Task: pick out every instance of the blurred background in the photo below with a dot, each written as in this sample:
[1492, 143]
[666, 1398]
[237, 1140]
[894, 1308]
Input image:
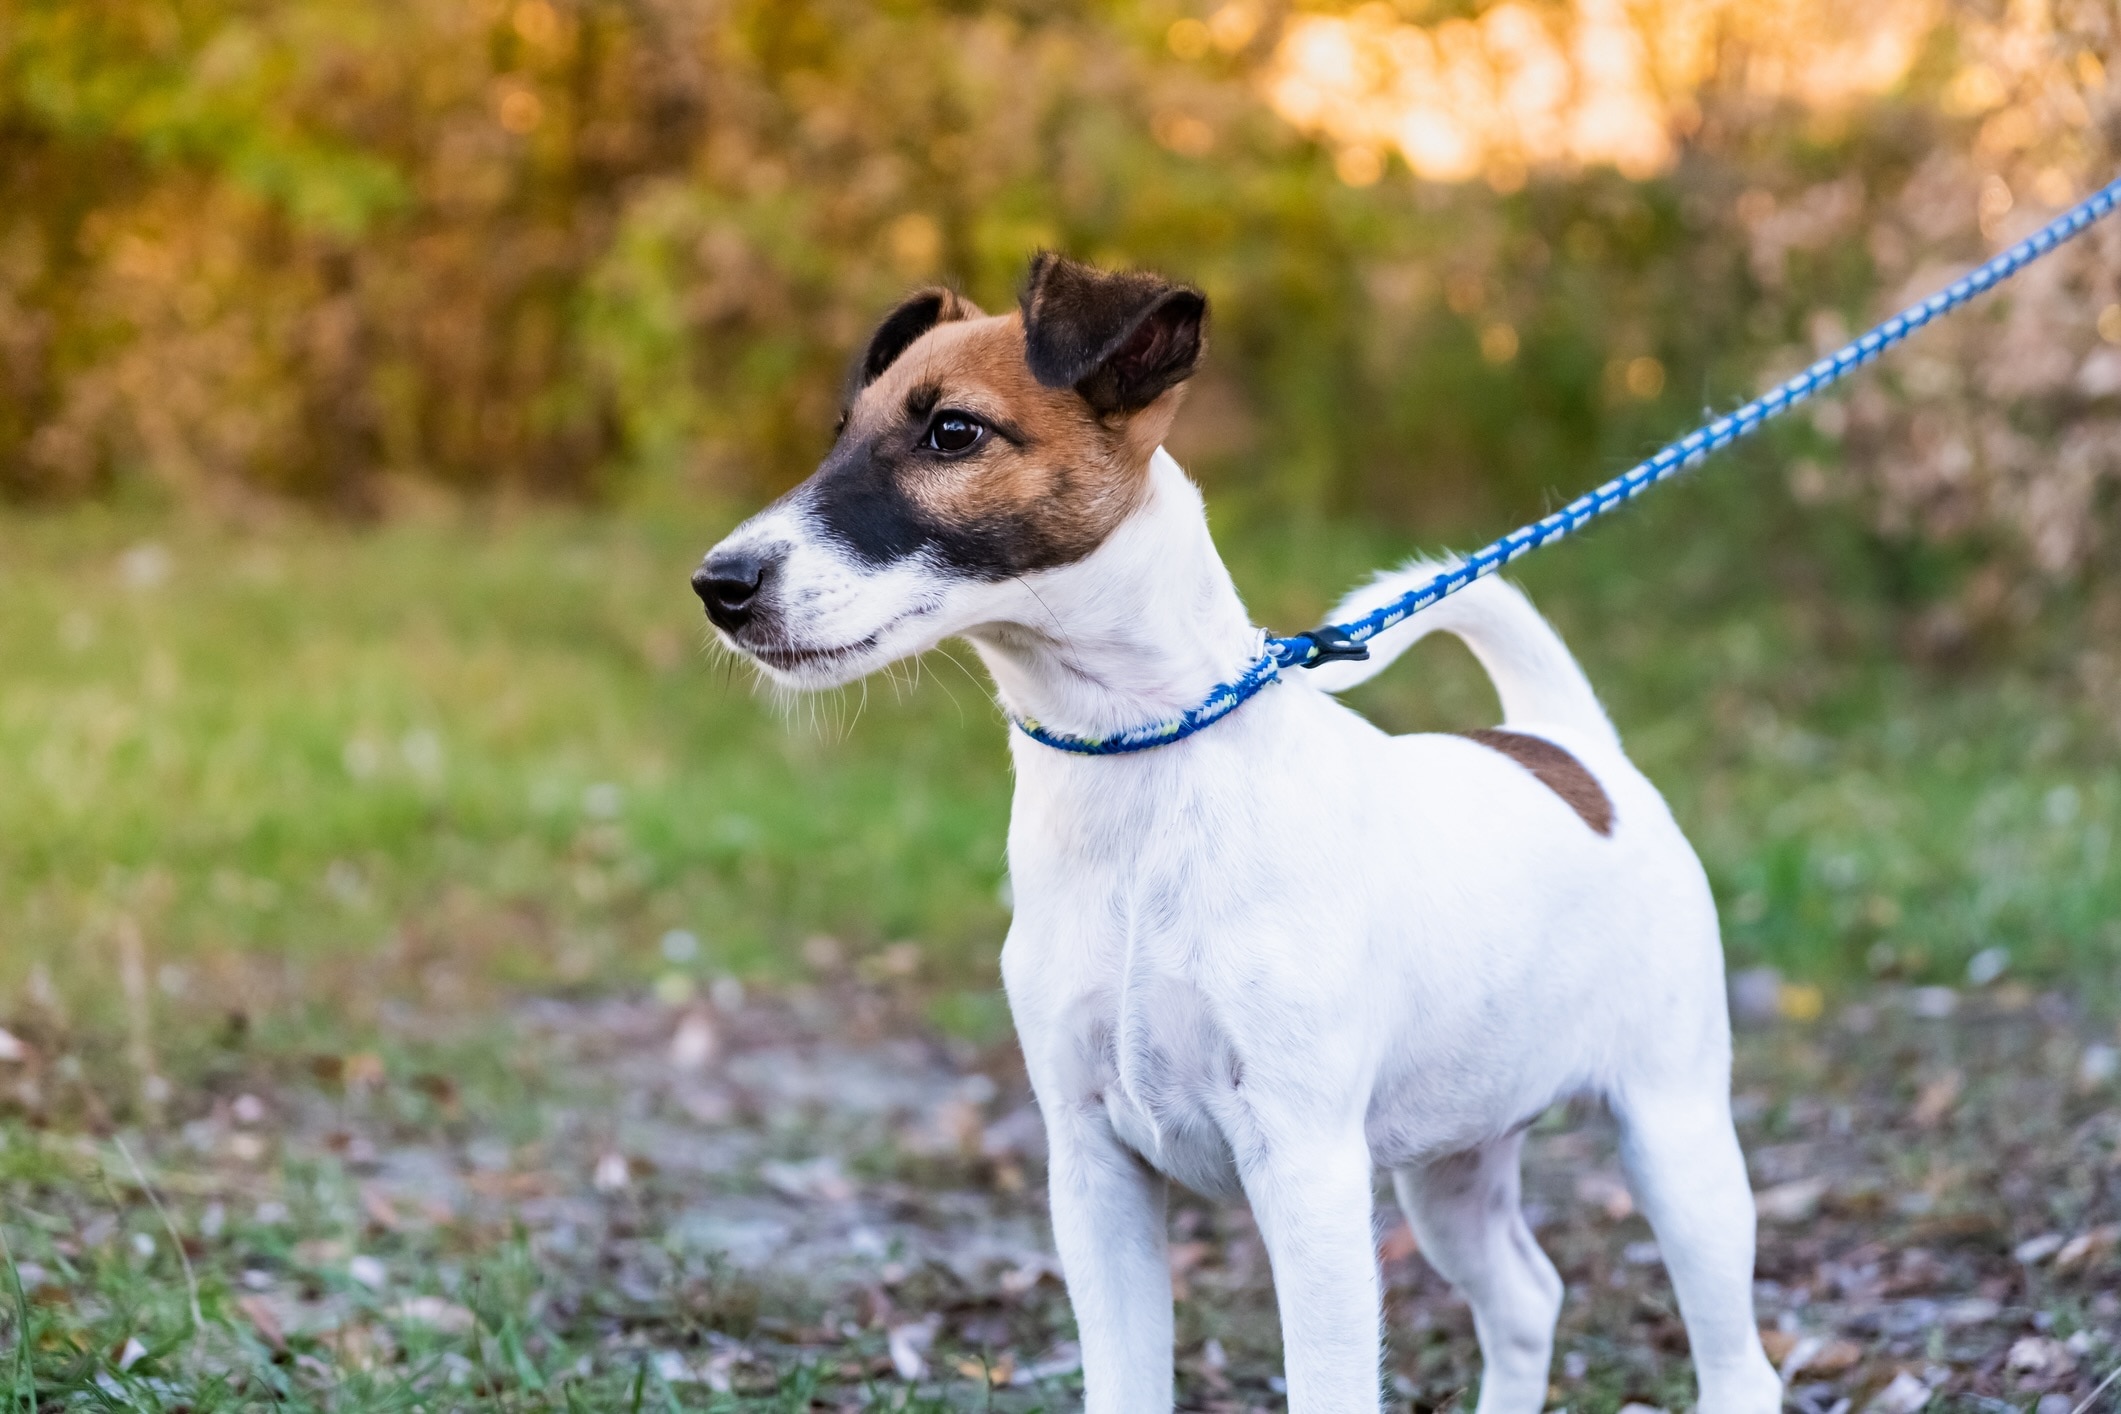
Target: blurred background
[371, 377]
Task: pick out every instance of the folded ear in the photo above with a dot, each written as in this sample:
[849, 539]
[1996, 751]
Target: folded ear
[921, 311]
[1121, 340]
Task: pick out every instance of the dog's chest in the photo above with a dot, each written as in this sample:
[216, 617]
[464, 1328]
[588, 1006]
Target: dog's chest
[1131, 913]
[1167, 1078]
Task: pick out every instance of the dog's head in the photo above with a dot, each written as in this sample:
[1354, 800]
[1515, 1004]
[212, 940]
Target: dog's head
[974, 450]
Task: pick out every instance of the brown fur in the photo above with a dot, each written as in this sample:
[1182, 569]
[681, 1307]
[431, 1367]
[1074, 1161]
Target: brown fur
[1054, 471]
[1558, 771]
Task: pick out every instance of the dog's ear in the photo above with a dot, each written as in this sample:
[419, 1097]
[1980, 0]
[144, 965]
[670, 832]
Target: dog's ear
[1121, 340]
[916, 315]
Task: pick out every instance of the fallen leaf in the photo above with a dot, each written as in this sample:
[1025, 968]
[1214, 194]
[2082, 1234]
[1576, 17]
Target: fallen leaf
[1824, 1356]
[436, 1087]
[2035, 1250]
[1904, 1395]
[996, 1373]
[1936, 1100]
[1606, 1192]
[1792, 1202]
[693, 1045]
[1027, 1274]
[321, 1251]
[434, 1312]
[819, 1179]
[2088, 1246]
[1064, 1359]
[612, 1173]
[362, 1069]
[2039, 1355]
[379, 1208]
[908, 1345]
[259, 1313]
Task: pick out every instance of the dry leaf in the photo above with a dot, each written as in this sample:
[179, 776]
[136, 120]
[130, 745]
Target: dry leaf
[1937, 1100]
[1791, 1202]
[1607, 1192]
[260, 1315]
[909, 1344]
[363, 1069]
[434, 1312]
[612, 1173]
[693, 1046]
[379, 1208]
[1905, 1395]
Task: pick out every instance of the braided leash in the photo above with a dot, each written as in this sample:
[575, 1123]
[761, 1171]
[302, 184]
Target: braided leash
[1346, 642]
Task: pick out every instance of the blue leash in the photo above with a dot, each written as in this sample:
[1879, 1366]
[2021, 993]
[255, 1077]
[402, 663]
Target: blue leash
[1332, 643]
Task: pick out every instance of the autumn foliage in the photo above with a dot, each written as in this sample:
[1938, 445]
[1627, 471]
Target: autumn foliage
[1462, 255]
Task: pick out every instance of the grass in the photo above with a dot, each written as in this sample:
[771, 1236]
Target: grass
[395, 1244]
[270, 800]
[466, 1320]
[306, 765]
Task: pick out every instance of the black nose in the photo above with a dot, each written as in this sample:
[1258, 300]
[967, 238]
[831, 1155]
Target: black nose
[728, 584]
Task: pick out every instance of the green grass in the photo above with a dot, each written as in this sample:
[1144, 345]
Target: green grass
[126, 1303]
[311, 764]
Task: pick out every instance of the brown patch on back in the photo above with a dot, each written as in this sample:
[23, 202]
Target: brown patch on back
[1057, 487]
[1557, 770]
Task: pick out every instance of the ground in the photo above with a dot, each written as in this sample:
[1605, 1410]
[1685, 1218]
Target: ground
[812, 1199]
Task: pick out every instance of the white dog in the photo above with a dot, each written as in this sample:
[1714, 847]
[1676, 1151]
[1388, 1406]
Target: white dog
[1291, 949]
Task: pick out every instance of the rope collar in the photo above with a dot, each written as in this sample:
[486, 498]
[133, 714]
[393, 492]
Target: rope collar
[1347, 642]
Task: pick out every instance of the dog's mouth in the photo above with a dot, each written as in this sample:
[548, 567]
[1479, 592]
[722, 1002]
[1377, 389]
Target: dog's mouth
[792, 657]
[809, 663]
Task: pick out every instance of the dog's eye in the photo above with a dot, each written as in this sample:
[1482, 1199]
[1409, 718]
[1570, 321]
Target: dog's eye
[953, 433]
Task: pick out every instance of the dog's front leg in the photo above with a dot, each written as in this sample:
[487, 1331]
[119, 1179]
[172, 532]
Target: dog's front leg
[1311, 1199]
[1108, 1222]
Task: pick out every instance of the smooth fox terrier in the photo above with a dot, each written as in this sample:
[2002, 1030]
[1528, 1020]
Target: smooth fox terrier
[1281, 954]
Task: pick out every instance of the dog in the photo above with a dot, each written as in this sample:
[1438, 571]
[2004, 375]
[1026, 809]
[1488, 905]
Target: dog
[1291, 949]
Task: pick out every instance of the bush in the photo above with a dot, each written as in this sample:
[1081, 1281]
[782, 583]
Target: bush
[323, 251]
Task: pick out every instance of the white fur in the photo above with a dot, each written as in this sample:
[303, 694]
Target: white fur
[1292, 949]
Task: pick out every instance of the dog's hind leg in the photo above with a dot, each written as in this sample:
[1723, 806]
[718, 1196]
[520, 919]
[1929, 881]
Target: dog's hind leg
[1688, 1175]
[1464, 1210]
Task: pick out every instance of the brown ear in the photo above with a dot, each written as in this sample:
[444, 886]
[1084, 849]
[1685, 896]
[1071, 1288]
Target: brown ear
[1120, 339]
[916, 315]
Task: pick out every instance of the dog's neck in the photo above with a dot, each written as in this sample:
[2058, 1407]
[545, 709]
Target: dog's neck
[1137, 632]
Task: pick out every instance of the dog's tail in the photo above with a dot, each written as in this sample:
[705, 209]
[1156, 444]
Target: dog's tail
[1533, 672]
